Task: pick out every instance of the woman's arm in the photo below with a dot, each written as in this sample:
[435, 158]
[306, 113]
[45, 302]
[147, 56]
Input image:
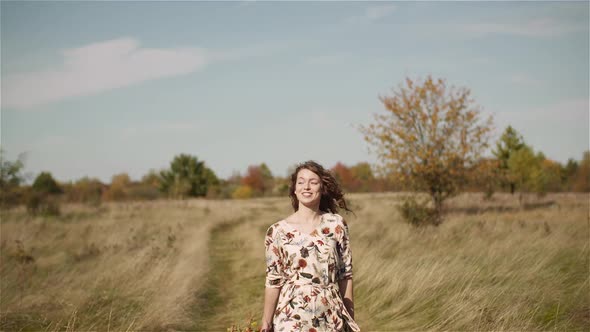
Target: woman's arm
[346, 292]
[271, 297]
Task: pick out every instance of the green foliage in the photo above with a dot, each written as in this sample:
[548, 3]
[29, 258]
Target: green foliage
[525, 168]
[45, 184]
[42, 204]
[417, 212]
[581, 180]
[187, 177]
[509, 143]
[41, 199]
[10, 171]
[10, 179]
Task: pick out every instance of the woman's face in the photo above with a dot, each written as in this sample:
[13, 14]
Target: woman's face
[308, 187]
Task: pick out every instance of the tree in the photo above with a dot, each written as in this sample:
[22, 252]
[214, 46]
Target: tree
[42, 198]
[524, 168]
[509, 143]
[568, 173]
[581, 181]
[45, 184]
[430, 136]
[187, 177]
[120, 185]
[10, 171]
[259, 178]
[344, 176]
[11, 178]
[86, 190]
[363, 174]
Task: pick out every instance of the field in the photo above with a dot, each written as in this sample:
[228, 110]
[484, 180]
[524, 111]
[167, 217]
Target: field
[198, 265]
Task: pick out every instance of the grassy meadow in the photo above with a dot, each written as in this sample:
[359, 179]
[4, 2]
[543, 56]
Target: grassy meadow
[198, 265]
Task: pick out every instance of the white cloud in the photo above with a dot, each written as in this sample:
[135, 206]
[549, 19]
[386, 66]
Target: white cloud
[373, 13]
[99, 67]
[543, 27]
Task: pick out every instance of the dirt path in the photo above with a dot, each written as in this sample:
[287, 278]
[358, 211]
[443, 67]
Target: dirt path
[222, 298]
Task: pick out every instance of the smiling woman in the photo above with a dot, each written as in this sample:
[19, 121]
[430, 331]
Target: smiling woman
[309, 260]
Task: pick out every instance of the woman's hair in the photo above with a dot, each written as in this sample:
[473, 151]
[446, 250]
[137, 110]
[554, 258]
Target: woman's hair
[332, 195]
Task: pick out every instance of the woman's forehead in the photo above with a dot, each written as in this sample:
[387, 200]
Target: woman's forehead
[307, 174]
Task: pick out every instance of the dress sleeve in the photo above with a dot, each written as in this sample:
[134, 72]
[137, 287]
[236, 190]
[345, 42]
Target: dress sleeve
[344, 270]
[274, 262]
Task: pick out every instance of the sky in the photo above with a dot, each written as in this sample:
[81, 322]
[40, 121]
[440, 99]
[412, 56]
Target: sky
[100, 88]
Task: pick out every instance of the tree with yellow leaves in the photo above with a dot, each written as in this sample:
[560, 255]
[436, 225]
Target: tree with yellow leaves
[430, 137]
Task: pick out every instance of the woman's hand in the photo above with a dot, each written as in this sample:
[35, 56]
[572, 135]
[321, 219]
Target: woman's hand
[266, 327]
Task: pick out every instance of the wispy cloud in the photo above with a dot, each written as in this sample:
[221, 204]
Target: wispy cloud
[373, 13]
[543, 27]
[107, 65]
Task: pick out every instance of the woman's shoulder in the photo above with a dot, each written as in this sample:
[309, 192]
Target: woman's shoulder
[335, 219]
[272, 229]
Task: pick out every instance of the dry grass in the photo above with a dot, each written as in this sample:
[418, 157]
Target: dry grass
[199, 265]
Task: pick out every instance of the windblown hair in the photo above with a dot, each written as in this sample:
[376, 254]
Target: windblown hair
[332, 195]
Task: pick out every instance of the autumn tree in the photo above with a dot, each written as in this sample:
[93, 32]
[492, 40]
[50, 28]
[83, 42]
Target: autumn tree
[119, 188]
[581, 180]
[259, 178]
[187, 176]
[344, 176]
[431, 135]
[86, 190]
[508, 144]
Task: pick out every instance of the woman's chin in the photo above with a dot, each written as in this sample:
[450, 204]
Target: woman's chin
[312, 204]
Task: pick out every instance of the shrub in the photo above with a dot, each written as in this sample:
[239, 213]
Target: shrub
[243, 192]
[42, 204]
[418, 213]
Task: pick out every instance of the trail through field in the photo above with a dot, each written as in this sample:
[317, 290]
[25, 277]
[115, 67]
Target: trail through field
[234, 287]
[230, 294]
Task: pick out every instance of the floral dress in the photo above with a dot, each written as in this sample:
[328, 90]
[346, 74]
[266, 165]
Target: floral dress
[306, 267]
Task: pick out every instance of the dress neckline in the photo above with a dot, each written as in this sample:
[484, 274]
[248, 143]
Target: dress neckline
[315, 229]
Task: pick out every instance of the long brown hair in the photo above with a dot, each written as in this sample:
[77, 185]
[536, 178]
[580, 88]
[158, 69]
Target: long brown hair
[332, 195]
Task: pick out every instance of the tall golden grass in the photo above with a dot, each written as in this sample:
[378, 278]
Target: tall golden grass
[199, 265]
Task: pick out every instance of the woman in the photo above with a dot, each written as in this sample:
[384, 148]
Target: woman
[308, 259]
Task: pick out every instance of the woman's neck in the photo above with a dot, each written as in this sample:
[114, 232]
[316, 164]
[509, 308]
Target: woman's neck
[308, 215]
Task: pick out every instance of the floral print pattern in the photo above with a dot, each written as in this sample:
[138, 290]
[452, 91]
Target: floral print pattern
[307, 267]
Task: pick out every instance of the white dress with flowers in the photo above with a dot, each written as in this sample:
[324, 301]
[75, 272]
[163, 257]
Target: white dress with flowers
[307, 267]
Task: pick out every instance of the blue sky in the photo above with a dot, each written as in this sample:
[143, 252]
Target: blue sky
[99, 88]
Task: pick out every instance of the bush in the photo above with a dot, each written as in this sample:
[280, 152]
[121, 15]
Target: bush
[243, 192]
[42, 204]
[143, 192]
[418, 213]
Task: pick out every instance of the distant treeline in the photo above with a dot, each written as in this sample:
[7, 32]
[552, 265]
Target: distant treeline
[515, 167]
